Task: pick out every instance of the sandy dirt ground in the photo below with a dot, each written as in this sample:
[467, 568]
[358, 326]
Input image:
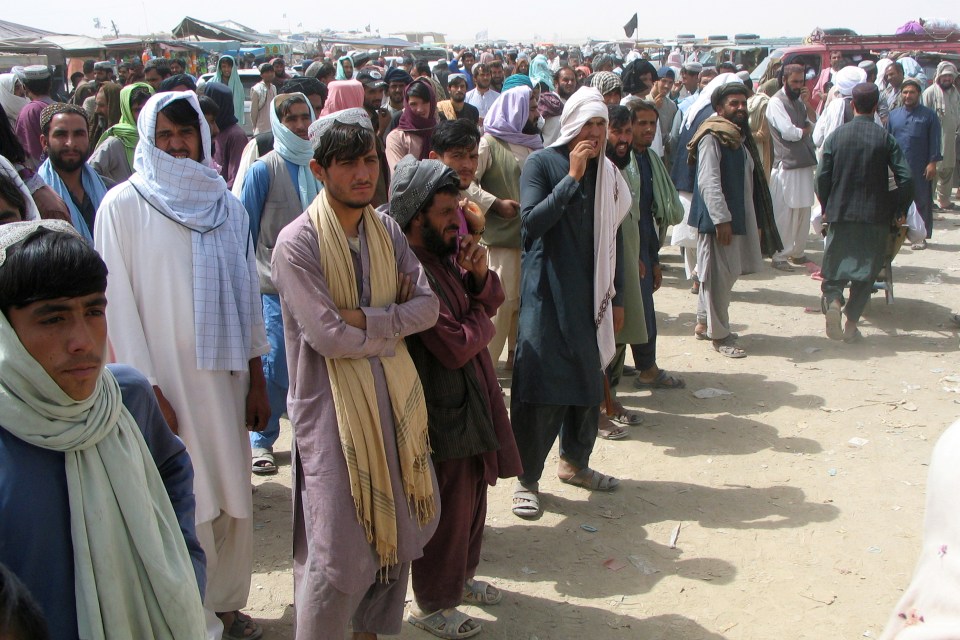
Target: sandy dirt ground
[787, 530]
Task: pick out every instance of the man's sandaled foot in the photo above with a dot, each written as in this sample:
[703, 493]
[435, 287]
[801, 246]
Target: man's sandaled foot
[264, 463]
[851, 333]
[591, 480]
[526, 502]
[833, 316]
[700, 331]
[919, 246]
[626, 417]
[480, 593]
[607, 430]
[662, 380]
[782, 265]
[239, 626]
[728, 348]
[446, 623]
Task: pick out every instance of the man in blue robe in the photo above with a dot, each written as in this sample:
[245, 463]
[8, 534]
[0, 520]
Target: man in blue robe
[916, 129]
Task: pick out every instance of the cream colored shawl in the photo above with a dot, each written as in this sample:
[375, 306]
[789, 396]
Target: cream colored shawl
[133, 576]
[355, 394]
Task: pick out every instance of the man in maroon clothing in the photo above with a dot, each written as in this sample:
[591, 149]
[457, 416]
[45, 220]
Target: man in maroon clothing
[470, 433]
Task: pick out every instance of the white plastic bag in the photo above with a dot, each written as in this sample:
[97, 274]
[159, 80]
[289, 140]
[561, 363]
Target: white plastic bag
[916, 229]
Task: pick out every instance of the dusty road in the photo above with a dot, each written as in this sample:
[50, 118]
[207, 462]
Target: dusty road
[787, 530]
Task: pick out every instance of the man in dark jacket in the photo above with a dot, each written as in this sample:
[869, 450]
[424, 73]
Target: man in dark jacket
[852, 186]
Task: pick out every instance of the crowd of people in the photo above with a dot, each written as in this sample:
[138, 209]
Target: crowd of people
[391, 244]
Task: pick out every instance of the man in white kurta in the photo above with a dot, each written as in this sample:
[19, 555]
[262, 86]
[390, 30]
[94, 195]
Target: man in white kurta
[791, 118]
[207, 375]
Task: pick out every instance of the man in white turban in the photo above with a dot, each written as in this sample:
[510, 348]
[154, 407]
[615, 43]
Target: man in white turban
[572, 201]
[791, 117]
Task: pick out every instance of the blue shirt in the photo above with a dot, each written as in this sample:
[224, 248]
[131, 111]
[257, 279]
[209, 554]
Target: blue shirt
[35, 538]
[917, 131]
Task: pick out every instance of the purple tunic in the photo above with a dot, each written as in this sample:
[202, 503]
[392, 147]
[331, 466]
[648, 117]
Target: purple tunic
[333, 546]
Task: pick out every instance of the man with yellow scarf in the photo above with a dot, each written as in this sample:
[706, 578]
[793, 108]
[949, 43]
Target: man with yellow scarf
[351, 289]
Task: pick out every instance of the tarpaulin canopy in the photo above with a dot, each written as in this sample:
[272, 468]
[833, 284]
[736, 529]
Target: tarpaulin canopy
[191, 27]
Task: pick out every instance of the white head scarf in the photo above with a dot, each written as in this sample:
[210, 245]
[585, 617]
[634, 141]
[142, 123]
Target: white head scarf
[584, 104]
[882, 65]
[10, 101]
[120, 512]
[847, 78]
[703, 99]
[192, 194]
[611, 204]
[295, 149]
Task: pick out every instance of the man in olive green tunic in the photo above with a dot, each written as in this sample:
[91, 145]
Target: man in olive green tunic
[852, 186]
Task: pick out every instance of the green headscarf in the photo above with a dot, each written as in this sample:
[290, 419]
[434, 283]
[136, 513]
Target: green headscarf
[132, 571]
[126, 129]
[236, 87]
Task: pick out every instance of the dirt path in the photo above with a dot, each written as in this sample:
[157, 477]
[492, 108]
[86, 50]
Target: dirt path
[787, 530]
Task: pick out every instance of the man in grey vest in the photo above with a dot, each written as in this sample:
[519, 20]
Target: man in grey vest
[791, 118]
[725, 211]
[276, 189]
[852, 185]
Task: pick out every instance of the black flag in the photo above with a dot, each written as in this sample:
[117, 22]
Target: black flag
[631, 26]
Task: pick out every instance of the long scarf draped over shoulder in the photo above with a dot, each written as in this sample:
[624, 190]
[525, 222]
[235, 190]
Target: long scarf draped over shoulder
[355, 395]
[730, 135]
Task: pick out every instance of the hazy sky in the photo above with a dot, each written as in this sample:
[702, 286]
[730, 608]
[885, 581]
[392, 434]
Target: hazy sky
[565, 21]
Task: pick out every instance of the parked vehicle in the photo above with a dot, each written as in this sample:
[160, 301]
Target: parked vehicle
[815, 53]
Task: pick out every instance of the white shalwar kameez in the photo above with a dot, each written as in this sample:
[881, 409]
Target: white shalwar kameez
[151, 327]
[791, 190]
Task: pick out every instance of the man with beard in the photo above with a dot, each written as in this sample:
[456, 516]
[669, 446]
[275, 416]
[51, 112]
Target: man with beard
[277, 188]
[573, 200]
[374, 87]
[65, 140]
[481, 96]
[791, 118]
[727, 189]
[397, 80]
[470, 437]
[351, 289]
[497, 75]
[853, 188]
[280, 75]
[917, 130]
[457, 107]
[944, 98]
[102, 72]
[508, 140]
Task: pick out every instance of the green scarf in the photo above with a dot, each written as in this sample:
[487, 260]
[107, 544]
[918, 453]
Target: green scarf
[126, 129]
[133, 575]
[667, 209]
